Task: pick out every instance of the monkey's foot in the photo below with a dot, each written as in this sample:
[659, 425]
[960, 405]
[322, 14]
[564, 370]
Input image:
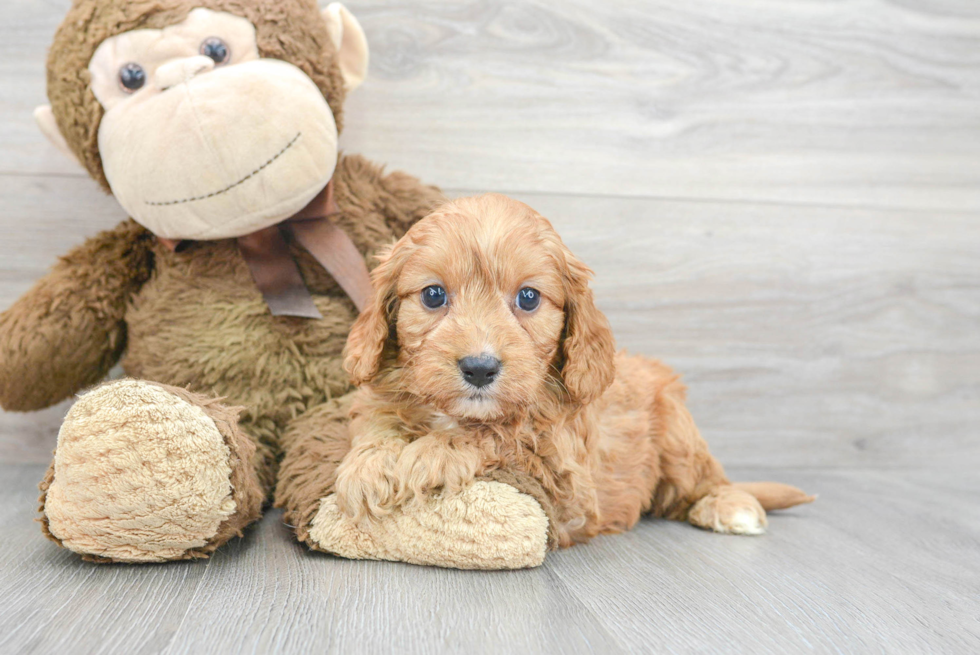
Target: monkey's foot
[488, 525]
[730, 511]
[146, 473]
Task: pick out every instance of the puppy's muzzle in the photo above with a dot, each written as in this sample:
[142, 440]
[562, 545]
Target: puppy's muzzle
[479, 371]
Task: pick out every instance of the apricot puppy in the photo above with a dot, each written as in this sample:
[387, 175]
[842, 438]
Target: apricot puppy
[483, 350]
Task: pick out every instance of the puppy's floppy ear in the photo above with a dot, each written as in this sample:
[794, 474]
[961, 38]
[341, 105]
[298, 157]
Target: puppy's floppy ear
[367, 338]
[588, 347]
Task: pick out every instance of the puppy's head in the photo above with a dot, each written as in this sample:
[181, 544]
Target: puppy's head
[478, 311]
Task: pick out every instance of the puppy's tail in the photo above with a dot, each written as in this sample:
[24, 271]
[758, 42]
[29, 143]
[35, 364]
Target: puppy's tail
[775, 495]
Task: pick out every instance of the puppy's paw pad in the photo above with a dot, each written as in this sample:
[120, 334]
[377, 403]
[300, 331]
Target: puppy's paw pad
[729, 511]
[745, 521]
[140, 475]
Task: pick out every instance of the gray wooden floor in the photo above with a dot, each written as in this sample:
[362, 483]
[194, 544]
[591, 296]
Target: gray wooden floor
[781, 199]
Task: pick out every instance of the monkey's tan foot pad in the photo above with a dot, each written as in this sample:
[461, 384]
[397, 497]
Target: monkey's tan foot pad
[730, 511]
[147, 473]
[488, 525]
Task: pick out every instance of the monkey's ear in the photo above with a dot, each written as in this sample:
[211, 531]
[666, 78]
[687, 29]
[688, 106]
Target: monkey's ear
[45, 120]
[352, 47]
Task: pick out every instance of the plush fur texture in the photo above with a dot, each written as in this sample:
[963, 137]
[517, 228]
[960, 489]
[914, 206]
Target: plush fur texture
[69, 329]
[276, 367]
[607, 436]
[146, 473]
[234, 389]
[438, 533]
[193, 326]
[488, 525]
[290, 30]
[194, 320]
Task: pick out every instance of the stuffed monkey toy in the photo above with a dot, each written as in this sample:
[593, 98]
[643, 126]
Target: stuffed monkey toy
[227, 297]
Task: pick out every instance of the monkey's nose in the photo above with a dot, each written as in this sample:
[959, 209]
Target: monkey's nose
[479, 371]
[181, 70]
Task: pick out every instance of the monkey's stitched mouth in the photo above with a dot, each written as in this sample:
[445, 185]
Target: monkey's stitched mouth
[230, 186]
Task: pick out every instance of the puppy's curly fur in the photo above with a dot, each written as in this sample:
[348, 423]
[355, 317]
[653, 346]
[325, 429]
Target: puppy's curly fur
[606, 434]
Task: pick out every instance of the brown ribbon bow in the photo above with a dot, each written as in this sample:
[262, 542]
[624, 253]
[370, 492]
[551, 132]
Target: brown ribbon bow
[276, 273]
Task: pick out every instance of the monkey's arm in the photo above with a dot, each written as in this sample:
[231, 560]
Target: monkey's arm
[69, 330]
[504, 520]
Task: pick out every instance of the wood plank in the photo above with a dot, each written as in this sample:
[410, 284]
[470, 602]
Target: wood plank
[779, 199]
[49, 215]
[810, 336]
[852, 103]
[52, 602]
[25, 35]
[297, 601]
[870, 567]
[884, 561]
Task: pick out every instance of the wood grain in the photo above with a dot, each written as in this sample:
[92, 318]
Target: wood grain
[780, 199]
[829, 103]
[851, 573]
[52, 602]
[845, 103]
[883, 562]
[809, 336]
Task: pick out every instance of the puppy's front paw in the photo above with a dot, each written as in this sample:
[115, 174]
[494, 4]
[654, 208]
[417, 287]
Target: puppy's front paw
[429, 464]
[366, 483]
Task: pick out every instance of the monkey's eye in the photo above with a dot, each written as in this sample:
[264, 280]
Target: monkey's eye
[216, 49]
[433, 296]
[132, 77]
[528, 299]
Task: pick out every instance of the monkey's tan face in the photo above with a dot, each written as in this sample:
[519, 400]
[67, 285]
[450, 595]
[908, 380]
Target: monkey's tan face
[204, 139]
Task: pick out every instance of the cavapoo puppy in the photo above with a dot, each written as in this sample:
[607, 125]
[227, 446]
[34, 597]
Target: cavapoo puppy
[483, 350]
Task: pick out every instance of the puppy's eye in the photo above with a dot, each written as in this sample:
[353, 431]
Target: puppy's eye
[433, 296]
[528, 299]
[132, 77]
[216, 49]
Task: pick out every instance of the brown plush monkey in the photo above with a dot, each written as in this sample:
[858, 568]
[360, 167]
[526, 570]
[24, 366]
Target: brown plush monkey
[214, 123]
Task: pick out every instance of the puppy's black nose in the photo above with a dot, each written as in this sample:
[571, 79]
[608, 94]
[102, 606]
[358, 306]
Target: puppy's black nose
[479, 371]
